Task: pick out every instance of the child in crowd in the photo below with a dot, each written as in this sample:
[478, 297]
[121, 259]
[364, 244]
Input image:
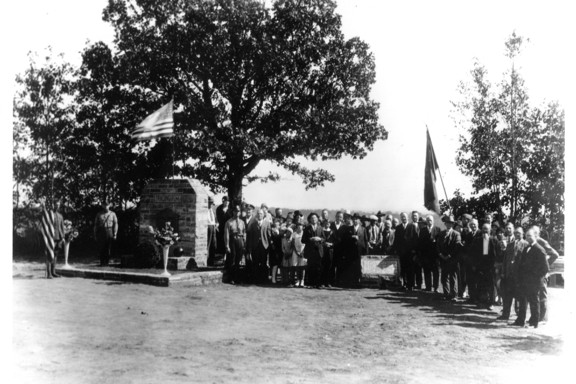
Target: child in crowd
[298, 259]
[287, 269]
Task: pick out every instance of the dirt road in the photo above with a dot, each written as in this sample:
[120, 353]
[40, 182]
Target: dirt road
[73, 330]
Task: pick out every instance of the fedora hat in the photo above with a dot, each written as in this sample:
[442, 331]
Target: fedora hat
[448, 219]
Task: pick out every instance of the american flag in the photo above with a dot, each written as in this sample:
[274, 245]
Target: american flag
[158, 124]
[47, 229]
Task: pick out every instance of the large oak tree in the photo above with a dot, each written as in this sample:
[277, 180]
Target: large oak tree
[252, 83]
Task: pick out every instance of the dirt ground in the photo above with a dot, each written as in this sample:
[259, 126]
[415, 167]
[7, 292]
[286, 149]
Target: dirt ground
[73, 330]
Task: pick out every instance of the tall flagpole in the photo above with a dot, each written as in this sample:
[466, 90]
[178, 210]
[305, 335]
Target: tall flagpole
[440, 173]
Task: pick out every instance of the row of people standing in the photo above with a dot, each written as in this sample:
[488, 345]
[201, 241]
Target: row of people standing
[320, 251]
[488, 262]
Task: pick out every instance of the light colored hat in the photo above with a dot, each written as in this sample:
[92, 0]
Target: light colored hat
[373, 217]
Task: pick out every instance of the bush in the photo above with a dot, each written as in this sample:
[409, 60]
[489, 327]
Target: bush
[147, 255]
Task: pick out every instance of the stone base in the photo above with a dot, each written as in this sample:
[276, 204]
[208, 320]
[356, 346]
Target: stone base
[182, 263]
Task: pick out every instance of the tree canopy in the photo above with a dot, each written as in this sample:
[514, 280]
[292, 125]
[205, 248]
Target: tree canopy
[252, 82]
[512, 150]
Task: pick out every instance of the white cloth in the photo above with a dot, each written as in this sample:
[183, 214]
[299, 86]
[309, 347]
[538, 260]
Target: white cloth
[485, 242]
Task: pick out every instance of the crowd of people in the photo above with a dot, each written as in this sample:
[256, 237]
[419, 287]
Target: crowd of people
[487, 263]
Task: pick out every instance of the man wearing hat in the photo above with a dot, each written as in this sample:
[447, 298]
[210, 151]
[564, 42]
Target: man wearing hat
[449, 245]
[374, 236]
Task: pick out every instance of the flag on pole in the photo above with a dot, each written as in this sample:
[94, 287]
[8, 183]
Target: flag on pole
[158, 124]
[430, 194]
[47, 230]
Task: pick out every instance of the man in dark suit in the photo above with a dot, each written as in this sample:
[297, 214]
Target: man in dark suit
[509, 275]
[337, 230]
[429, 253]
[222, 216]
[403, 252]
[449, 245]
[462, 275]
[388, 237]
[353, 244]
[412, 235]
[360, 235]
[259, 233]
[484, 249]
[468, 260]
[532, 270]
[552, 255]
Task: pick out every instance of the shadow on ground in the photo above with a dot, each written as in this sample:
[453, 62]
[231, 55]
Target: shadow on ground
[448, 313]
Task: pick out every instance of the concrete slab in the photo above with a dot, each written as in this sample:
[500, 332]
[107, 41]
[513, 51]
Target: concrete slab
[193, 278]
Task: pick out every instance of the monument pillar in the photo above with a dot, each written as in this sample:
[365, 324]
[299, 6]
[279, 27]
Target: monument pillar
[183, 202]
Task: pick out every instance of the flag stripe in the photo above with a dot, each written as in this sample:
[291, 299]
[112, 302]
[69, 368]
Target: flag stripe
[156, 125]
[47, 229]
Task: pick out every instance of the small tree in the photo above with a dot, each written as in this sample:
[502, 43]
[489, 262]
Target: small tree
[513, 152]
[42, 122]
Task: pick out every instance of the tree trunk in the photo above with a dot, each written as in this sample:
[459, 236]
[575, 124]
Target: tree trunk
[235, 187]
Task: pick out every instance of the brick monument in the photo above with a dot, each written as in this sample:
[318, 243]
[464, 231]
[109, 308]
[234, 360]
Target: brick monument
[184, 203]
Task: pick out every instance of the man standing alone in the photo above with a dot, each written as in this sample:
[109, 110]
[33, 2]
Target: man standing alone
[105, 231]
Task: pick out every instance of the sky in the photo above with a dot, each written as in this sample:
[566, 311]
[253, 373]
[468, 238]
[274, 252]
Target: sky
[422, 50]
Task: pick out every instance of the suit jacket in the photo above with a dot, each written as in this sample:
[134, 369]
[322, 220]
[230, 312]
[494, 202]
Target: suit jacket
[255, 235]
[58, 226]
[221, 216]
[362, 241]
[388, 239]
[314, 250]
[412, 236]
[550, 252]
[427, 242]
[512, 257]
[478, 259]
[449, 243]
[400, 245]
[532, 267]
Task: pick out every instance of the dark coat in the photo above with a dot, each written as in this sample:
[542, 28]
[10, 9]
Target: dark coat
[532, 267]
[427, 243]
[449, 244]
[478, 259]
[412, 236]
[388, 239]
[400, 245]
[255, 235]
[314, 250]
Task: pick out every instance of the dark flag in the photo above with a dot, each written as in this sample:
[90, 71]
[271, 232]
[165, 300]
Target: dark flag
[430, 194]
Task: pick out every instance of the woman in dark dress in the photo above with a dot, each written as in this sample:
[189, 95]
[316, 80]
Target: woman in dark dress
[313, 238]
[350, 271]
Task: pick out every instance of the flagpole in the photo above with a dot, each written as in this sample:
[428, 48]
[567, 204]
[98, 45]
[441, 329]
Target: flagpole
[440, 173]
[173, 157]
